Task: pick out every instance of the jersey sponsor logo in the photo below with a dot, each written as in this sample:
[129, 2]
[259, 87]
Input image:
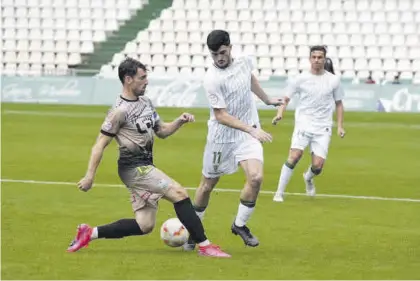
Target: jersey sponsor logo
[401, 101]
[145, 196]
[107, 125]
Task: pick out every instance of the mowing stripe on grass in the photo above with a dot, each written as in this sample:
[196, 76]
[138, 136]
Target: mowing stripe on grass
[55, 113]
[227, 190]
[371, 125]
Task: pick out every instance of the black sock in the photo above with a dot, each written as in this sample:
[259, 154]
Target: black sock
[186, 214]
[119, 229]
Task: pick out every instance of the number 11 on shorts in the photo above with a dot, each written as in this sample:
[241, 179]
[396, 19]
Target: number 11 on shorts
[216, 157]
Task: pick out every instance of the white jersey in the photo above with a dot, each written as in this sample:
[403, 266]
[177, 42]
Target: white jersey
[315, 96]
[230, 88]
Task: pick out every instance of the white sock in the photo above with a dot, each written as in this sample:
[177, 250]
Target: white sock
[244, 213]
[200, 214]
[204, 243]
[309, 174]
[94, 234]
[285, 175]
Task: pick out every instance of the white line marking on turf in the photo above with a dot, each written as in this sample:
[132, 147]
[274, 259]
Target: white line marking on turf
[372, 125]
[227, 190]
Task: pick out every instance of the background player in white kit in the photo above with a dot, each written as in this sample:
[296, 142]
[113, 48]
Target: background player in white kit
[234, 133]
[316, 92]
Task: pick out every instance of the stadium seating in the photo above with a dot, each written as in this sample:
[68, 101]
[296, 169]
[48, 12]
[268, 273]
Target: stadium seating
[362, 35]
[44, 35]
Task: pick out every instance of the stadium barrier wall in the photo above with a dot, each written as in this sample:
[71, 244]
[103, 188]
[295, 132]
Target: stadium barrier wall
[170, 92]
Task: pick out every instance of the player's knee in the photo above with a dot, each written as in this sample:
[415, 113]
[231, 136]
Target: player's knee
[176, 193]
[292, 162]
[206, 186]
[255, 179]
[146, 226]
[180, 193]
[316, 170]
[317, 164]
[293, 158]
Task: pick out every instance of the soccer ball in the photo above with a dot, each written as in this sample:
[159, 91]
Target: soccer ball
[173, 233]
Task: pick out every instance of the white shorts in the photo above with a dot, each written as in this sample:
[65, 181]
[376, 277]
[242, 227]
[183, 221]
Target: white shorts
[223, 158]
[318, 142]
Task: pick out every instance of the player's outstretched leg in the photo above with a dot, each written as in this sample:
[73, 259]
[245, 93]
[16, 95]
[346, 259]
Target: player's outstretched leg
[82, 239]
[190, 244]
[286, 173]
[115, 230]
[254, 173]
[186, 214]
[201, 201]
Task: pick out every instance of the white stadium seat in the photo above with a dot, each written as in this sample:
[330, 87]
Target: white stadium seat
[362, 35]
[52, 34]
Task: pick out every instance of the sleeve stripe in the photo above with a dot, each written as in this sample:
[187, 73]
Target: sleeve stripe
[107, 134]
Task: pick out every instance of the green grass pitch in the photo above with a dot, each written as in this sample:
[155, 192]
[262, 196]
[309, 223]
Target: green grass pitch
[323, 238]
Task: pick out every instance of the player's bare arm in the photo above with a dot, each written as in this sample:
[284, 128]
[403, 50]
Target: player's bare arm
[280, 110]
[259, 92]
[223, 117]
[340, 118]
[164, 130]
[95, 158]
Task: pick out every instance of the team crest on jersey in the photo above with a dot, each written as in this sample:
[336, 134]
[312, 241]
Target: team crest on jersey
[213, 99]
[164, 184]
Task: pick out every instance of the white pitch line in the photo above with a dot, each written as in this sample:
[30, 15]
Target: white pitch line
[227, 190]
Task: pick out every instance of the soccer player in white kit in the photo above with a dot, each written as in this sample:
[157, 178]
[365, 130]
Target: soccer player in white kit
[317, 92]
[234, 135]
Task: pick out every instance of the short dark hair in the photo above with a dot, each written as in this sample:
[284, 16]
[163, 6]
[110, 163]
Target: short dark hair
[318, 48]
[217, 38]
[328, 66]
[129, 67]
